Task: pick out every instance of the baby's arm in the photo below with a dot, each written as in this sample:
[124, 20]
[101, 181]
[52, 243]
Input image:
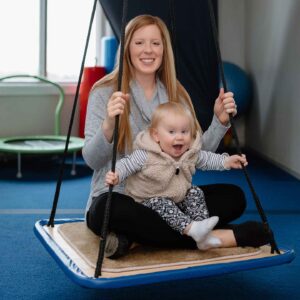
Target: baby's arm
[126, 166]
[235, 162]
[213, 161]
[111, 178]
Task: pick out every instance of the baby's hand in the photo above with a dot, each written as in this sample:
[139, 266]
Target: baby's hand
[235, 162]
[111, 178]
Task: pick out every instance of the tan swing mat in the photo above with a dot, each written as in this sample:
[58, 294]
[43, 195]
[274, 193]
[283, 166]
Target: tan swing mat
[82, 246]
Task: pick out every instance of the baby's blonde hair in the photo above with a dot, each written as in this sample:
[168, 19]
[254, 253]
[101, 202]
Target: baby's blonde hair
[174, 108]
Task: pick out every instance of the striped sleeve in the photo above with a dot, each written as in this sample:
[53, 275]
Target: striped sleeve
[211, 161]
[131, 164]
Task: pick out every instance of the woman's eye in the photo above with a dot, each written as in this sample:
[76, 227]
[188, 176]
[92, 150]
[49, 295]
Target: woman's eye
[171, 131]
[156, 43]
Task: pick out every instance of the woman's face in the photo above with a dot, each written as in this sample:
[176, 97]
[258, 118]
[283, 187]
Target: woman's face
[146, 50]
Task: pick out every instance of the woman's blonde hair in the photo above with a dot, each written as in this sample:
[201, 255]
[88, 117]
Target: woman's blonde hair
[173, 109]
[166, 73]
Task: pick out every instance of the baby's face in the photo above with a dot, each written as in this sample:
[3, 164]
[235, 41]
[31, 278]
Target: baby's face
[174, 135]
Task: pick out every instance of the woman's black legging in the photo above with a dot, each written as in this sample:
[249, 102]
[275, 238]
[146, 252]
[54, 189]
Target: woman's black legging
[145, 226]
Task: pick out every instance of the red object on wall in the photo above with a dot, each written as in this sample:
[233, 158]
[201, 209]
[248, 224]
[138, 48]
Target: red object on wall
[90, 76]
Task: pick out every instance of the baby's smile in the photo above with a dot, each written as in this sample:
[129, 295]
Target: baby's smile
[177, 147]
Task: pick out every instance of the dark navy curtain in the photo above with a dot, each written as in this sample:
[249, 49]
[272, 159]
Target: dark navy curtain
[196, 58]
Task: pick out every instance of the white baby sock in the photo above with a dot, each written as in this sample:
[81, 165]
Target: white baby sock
[200, 229]
[210, 242]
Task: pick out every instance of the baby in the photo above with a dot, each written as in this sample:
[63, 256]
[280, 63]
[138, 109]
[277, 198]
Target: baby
[159, 173]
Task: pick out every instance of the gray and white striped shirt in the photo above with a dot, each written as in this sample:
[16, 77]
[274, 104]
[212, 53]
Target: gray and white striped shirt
[134, 162]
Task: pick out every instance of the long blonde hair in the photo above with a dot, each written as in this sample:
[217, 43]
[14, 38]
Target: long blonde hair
[166, 73]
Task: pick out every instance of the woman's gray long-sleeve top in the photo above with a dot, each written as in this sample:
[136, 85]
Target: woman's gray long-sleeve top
[97, 151]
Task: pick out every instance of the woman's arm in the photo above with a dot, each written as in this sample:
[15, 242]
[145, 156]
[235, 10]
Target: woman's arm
[97, 150]
[224, 105]
[212, 137]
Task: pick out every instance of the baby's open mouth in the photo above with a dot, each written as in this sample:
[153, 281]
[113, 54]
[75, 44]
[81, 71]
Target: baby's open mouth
[177, 147]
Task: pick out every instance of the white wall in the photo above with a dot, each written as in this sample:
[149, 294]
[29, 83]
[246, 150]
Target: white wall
[232, 43]
[272, 57]
[263, 37]
[232, 31]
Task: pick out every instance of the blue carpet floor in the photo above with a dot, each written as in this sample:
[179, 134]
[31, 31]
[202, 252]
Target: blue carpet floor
[28, 272]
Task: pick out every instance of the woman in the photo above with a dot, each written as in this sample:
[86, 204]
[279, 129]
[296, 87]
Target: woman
[148, 80]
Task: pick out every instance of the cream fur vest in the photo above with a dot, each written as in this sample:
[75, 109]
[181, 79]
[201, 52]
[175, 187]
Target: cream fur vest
[158, 175]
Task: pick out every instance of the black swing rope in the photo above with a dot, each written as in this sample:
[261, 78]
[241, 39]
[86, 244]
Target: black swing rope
[105, 223]
[173, 32]
[115, 137]
[235, 136]
[61, 171]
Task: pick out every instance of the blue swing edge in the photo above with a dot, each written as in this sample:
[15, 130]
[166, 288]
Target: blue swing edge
[77, 276]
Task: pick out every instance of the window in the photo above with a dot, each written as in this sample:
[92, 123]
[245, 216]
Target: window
[23, 47]
[68, 23]
[19, 23]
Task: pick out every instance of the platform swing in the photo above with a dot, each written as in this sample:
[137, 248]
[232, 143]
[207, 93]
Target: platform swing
[77, 251]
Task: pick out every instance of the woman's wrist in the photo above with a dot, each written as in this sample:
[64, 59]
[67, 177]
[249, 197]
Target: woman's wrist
[224, 123]
[108, 129]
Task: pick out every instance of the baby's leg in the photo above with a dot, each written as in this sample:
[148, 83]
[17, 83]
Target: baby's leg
[194, 204]
[169, 212]
[180, 221]
[199, 230]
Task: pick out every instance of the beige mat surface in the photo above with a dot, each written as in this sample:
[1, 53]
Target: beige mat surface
[86, 245]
